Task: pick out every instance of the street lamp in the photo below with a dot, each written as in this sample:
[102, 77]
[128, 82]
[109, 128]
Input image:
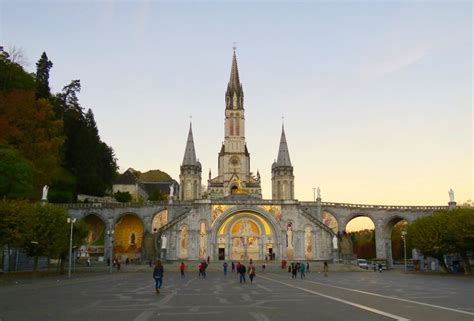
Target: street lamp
[71, 221]
[314, 193]
[110, 234]
[404, 236]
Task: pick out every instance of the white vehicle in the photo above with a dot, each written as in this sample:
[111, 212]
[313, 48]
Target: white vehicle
[362, 263]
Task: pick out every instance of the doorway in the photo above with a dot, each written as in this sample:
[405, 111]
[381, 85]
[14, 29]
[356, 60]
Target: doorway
[221, 254]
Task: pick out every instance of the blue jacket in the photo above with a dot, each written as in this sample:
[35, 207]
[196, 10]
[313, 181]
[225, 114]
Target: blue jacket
[158, 273]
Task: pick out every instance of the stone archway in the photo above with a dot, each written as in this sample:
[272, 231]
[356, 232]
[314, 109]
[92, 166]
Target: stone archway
[94, 243]
[243, 234]
[388, 229]
[128, 237]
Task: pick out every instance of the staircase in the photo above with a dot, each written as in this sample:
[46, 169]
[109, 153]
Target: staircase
[175, 221]
[317, 222]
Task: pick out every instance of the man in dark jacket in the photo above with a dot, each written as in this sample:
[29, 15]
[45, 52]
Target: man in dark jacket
[242, 271]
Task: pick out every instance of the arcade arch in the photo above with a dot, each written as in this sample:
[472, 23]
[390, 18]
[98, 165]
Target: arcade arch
[363, 239]
[244, 235]
[128, 237]
[94, 242]
[395, 247]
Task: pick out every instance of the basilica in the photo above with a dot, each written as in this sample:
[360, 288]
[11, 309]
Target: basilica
[230, 220]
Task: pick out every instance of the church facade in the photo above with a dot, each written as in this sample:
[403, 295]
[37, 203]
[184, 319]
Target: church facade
[230, 220]
[233, 221]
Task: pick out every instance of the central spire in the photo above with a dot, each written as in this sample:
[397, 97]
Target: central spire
[234, 95]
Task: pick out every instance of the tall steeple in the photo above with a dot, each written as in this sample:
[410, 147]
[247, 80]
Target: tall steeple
[190, 152]
[282, 172]
[190, 171]
[234, 95]
[283, 154]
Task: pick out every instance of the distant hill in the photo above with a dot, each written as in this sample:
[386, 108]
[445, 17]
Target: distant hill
[154, 175]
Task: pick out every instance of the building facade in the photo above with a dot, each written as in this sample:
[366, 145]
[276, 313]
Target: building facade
[232, 221]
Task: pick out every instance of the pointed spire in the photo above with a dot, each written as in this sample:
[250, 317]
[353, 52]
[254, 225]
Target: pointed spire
[234, 82]
[190, 153]
[283, 154]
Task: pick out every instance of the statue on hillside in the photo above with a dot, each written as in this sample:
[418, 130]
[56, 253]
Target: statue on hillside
[45, 193]
[451, 195]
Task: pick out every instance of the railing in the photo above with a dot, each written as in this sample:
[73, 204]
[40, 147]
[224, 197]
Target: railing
[317, 222]
[123, 205]
[385, 207]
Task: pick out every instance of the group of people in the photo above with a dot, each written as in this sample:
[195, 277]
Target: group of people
[295, 268]
[242, 270]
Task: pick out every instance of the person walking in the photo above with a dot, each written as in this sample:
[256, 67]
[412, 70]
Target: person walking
[294, 270]
[204, 267]
[181, 269]
[241, 270]
[251, 272]
[158, 272]
[233, 267]
[307, 266]
[302, 269]
[225, 268]
[326, 268]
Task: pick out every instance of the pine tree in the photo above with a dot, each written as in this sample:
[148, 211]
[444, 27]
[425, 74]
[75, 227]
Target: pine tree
[42, 77]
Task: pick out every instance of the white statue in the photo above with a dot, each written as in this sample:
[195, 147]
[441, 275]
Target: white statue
[171, 190]
[451, 195]
[163, 241]
[318, 191]
[334, 242]
[45, 193]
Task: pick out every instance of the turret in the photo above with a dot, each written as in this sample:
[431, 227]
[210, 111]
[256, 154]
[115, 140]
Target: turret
[190, 171]
[282, 172]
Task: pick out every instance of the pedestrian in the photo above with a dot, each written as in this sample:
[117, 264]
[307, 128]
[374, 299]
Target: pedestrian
[204, 267]
[251, 272]
[326, 268]
[289, 267]
[127, 261]
[379, 266]
[241, 270]
[150, 263]
[200, 267]
[233, 267]
[225, 268]
[264, 265]
[89, 261]
[158, 275]
[181, 269]
[118, 264]
[294, 270]
[302, 268]
[307, 266]
[115, 263]
[237, 266]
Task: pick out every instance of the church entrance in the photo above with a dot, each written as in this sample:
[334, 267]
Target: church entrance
[247, 236]
[221, 254]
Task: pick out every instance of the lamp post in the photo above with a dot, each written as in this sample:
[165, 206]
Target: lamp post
[71, 221]
[404, 236]
[110, 234]
[314, 194]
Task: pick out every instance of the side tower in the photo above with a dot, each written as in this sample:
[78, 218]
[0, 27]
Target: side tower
[190, 171]
[283, 180]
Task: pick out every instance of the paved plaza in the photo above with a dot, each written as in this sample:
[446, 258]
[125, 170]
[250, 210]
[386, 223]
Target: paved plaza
[391, 295]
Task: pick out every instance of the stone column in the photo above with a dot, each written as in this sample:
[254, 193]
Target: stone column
[380, 241]
[318, 208]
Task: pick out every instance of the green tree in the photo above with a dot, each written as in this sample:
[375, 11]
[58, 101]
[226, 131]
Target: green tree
[157, 195]
[13, 215]
[43, 66]
[123, 197]
[429, 235]
[459, 232]
[16, 175]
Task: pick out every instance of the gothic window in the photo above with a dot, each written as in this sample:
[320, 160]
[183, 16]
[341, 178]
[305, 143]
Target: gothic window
[235, 101]
[231, 127]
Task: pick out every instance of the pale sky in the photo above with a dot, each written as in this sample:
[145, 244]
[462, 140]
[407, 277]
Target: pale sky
[377, 96]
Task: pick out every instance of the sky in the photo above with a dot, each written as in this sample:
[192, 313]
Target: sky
[376, 96]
